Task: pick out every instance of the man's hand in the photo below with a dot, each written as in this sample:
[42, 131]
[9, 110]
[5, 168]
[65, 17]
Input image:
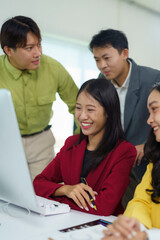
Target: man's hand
[140, 154]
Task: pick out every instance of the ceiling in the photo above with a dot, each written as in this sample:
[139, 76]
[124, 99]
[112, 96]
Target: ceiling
[150, 5]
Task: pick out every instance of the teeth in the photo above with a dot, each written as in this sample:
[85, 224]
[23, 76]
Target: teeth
[155, 128]
[86, 124]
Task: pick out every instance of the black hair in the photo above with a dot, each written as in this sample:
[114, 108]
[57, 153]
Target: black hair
[152, 154]
[109, 37]
[105, 93]
[14, 32]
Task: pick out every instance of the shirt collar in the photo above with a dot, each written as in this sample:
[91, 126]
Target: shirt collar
[16, 73]
[127, 80]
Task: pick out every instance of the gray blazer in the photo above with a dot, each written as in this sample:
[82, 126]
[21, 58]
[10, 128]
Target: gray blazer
[136, 113]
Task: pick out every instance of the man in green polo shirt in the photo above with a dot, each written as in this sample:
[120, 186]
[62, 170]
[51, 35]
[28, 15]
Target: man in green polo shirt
[33, 79]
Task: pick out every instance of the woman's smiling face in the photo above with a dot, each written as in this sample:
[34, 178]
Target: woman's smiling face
[154, 113]
[90, 115]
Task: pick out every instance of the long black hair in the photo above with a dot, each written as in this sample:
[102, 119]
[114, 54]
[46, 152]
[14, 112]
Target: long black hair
[152, 153]
[105, 93]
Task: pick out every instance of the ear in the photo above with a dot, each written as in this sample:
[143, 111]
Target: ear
[8, 51]
[125, 53]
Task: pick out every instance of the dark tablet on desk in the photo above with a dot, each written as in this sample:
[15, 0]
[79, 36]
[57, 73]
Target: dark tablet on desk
[85, 225]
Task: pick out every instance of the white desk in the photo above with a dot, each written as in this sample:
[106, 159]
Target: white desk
[36, 227]
[39, 227]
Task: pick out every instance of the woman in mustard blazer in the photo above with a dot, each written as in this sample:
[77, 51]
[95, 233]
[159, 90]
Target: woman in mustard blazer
[145, 206]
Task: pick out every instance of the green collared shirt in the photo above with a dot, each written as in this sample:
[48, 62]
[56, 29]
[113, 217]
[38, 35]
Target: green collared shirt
[34, 91]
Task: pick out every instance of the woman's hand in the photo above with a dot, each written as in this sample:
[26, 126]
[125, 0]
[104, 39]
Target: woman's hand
[78, 193]
[124, 228]
[138, 236]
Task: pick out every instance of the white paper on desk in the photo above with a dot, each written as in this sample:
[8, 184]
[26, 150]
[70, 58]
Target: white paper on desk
[153, 234]
[89, 233]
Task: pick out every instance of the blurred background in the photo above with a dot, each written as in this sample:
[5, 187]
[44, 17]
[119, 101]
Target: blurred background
[67, 27]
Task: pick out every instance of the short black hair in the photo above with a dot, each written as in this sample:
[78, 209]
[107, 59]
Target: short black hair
[109, 37]
[14, 31]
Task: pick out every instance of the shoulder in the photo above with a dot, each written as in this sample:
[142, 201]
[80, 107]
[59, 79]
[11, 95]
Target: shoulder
[70, 141]
[48, 60]
[54, 67]
[124, 147]
[122, 156]
[149, 167]
[2, 57]
[125, 144]
[148, 72]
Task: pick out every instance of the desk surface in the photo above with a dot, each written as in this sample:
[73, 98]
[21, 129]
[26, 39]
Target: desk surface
[37, 227]
[34, 226]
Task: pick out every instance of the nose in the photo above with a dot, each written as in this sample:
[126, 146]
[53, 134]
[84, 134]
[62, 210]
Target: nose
[102, 64]
[37, 51]
[150, 119]
[83, 115]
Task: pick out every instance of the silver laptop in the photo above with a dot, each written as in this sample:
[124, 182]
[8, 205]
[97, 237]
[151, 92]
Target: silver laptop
[15, 182]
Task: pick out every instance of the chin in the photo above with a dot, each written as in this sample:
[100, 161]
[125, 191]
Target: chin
[108, 77]
[85, 133]
[158, 139]
[34, 67]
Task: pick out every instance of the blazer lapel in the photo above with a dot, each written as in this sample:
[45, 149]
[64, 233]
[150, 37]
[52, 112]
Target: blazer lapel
[132, 95]
[77, 161]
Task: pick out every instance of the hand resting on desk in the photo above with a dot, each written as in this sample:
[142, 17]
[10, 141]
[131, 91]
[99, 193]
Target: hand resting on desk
[78, 193]
[124, 228]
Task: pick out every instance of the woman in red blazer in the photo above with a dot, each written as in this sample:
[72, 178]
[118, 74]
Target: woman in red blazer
[100, 154]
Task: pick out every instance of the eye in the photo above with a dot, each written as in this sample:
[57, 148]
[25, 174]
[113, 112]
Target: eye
[154, 109]
[28, 48]
[78, 108]
[107, 58]
[90, 110]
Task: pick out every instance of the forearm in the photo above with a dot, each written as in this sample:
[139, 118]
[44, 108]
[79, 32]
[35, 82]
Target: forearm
[44, 187]
[59, 192]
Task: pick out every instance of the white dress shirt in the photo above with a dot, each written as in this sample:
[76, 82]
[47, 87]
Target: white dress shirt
[122, 91]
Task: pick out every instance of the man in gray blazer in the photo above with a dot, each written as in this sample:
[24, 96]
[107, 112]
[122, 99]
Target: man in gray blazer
[133, 83]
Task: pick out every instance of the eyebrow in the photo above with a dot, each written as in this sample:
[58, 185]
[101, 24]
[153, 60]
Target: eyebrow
[31, 44]
[104, 55]
[89, 105]
[152, 103]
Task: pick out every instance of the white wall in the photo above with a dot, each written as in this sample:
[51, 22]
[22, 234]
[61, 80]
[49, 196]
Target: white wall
[81, 19]
[143, 32]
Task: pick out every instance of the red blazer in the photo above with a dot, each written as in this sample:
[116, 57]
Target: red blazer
[110, 179]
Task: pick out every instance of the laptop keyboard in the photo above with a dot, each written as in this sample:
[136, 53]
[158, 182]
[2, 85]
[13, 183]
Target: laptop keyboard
[51, 207]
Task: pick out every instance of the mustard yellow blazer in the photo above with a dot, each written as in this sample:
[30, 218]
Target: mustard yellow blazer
[141, 206]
